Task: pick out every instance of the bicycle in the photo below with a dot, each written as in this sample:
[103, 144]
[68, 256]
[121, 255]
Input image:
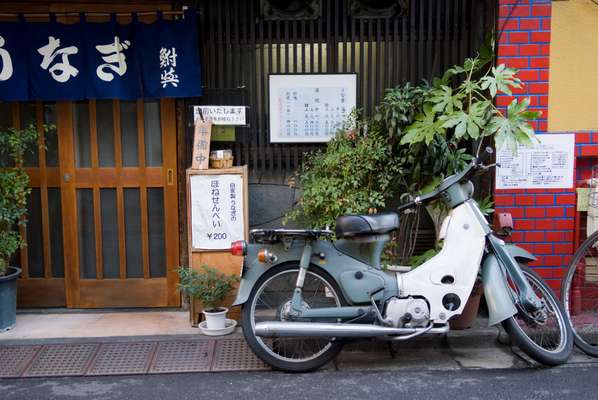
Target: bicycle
[579, 295]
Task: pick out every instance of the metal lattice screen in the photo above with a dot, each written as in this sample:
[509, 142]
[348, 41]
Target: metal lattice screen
[241, 48]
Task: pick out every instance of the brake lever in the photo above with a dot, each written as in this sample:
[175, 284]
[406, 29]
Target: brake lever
[487, 167]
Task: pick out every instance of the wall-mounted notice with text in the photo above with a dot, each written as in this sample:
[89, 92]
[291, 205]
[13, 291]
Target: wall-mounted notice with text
[309, 108]
[217, 210]
[221, 115]
[547, 164]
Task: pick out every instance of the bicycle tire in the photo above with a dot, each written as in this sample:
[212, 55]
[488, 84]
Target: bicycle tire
[569, 299]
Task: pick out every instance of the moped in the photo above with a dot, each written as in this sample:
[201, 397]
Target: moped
[303, 294]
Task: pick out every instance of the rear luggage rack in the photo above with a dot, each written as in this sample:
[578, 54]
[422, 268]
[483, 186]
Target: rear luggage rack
[277, 235]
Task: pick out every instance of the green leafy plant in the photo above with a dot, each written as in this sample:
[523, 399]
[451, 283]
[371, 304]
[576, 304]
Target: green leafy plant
[209, 285]
[459, 107]
[486, 205]
[14, 189]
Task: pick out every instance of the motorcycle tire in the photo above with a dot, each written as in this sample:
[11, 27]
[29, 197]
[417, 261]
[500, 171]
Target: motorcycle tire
[537, 351]
[272, 355]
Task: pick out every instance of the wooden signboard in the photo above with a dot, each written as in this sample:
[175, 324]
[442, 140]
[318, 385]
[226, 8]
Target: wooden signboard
[217, 214]
[201, 144]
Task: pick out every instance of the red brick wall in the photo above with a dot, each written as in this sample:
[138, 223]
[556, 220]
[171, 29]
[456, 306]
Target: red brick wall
[544, 219]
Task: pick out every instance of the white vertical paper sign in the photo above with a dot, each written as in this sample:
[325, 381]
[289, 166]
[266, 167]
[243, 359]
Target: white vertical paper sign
[545, 165]
[216, 211]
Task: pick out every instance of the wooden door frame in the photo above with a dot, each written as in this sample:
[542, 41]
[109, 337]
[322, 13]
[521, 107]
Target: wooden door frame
[68, 201]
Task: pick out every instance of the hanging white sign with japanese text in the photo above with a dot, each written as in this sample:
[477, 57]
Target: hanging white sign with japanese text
[216, 211]
[221, 115]
[309, 107]
[108, 60]
[544, 165]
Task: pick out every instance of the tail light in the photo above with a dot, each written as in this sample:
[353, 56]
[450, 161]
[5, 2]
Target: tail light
[238, 248]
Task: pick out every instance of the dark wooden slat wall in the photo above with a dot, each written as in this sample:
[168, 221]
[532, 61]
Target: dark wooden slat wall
[239, 50]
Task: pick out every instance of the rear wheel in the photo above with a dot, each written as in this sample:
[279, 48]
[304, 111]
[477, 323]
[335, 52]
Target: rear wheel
[268, 301]
[545, 334]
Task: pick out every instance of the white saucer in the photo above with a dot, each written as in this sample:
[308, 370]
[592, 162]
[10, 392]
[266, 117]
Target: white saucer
[230, 327]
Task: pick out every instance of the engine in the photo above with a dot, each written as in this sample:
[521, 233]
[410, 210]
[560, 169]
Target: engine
[408, 312]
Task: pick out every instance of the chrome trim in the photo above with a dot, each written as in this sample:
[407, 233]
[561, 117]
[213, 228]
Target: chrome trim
[292, 231]
[318, 329]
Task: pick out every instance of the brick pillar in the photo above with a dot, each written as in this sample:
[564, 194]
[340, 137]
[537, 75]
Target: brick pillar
[544, 219]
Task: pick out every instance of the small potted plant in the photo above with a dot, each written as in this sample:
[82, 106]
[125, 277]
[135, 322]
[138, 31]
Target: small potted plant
[14, 189]
[210, 287]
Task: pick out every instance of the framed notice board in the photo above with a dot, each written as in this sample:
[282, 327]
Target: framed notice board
[309, 108]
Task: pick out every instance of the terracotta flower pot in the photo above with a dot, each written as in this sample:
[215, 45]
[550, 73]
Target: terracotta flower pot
[470, 312]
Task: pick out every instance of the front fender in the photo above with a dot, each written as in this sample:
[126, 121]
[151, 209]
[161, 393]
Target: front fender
[498, 296]
[521, 255]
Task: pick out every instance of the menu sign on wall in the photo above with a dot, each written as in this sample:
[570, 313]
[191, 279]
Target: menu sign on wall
[309, 107]
[545, 165]
[216, 211]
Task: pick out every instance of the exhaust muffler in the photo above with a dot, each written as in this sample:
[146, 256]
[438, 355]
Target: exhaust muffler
[274, 329]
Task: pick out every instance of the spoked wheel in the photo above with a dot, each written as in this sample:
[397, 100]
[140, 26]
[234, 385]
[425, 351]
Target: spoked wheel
[579, 293]
[544, 335]
[270, 300]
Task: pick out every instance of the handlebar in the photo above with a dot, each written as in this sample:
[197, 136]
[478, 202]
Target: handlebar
[476, 164]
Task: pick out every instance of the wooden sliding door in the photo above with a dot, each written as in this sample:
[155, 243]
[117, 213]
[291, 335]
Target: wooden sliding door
[103, 219]
[42, 260]
[120, 200]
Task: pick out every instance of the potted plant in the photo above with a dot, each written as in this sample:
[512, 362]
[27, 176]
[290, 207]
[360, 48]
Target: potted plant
[14, 188]
[210, 287]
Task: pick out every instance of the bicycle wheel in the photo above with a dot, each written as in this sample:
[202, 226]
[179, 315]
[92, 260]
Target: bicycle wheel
[579, 294]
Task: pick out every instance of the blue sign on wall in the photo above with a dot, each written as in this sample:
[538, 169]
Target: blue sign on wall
[55, 61]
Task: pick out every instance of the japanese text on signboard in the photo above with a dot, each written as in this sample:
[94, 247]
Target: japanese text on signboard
[57, 61]
[216, 211]
[221, 115]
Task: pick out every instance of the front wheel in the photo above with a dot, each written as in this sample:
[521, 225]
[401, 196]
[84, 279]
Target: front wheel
[269, 300]
[545, 334]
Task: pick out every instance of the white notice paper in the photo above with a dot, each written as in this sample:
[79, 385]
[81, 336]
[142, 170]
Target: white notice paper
[216, 211]
[310, 107]
[221, 115]
[545, 165]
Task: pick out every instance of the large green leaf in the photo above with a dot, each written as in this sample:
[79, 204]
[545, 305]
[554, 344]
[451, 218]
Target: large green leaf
[502, 79]
[514, 128]
[425, 127]
[444, 100]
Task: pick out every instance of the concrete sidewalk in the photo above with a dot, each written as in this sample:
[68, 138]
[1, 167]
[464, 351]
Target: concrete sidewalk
[152, 342]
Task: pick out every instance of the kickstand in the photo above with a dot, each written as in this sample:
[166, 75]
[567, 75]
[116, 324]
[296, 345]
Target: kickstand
[391, 349]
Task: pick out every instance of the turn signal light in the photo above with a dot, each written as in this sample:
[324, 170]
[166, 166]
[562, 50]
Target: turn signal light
[238, 248]
[266, 256]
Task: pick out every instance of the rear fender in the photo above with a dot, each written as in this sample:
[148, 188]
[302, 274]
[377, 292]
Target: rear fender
[498, 296]
[253, 269]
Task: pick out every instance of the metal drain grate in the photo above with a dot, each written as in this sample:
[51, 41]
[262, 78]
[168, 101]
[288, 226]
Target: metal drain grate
[14, 359]
[123, 358]
[235, 355]
[62, 360]
[190, 356]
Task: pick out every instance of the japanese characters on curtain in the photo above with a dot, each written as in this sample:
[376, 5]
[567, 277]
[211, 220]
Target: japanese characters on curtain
[55, 61]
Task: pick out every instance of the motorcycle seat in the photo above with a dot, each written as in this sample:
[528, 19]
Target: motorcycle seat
[363, 225]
